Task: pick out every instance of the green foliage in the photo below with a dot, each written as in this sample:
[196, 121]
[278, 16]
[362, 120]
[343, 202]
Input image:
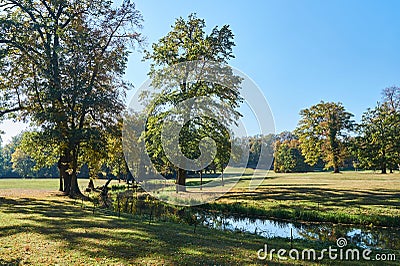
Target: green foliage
[288, 157]
[323, 131]
[284, 158]
[187, 41]
[24, 157]
[33, 158]
[7, 152]
[22, 163]
[62, 68]
[378, 145]
[40, 147]
[261, 150]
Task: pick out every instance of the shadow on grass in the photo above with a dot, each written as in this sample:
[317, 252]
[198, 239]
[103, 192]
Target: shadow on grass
[197, 183]
[307, 192]
[128, 239]
[10, 262]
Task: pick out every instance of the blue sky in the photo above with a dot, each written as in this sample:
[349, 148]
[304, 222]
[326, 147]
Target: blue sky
[298, 52]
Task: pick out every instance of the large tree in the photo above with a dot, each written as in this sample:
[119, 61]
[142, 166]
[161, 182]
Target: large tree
[187, 41]
[378, 143]
[322, 131]
[62, 68]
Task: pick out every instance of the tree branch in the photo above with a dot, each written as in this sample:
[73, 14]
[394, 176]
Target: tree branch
[11, 110]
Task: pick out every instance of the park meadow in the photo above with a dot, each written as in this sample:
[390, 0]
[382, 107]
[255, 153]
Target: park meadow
[41, 227]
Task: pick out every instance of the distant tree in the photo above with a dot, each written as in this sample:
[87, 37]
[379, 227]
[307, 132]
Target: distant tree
[7, 152]
[44, 151]
[323, 130]
[114, 158]
[285, 160]
[33, 158]
[22, 164]
[1, 158]
[288, 157]
[391, 97]
[187, 41]
[378, 143]
[258, 143]
[51, 171]
[255, 144]
[286, 136]
[133, 144]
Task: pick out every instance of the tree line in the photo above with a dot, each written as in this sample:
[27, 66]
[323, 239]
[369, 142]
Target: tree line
[326, 138]
[326, 133]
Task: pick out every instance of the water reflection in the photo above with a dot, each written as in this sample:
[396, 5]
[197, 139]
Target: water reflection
[379, 238]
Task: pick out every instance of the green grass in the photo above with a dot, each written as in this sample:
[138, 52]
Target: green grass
[55, 231]
[52, 231]
[38, 226]
[36, 183]
[364, 198]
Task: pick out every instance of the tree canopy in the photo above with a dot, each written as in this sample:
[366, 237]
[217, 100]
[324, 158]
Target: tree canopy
[188, 42]
[378, 142]
[323, 130]
[62, 65]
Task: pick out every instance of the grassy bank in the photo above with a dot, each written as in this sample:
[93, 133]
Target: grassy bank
[55, 231]
[364, 198]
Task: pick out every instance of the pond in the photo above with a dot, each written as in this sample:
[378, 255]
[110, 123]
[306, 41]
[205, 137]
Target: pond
[363, 237]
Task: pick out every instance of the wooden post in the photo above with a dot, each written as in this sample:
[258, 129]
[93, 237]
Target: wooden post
[201, 179]
[119, 207]
[222, 176]
[291, 238]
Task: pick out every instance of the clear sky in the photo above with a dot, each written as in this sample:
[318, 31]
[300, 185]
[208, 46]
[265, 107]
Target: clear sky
[298, 52]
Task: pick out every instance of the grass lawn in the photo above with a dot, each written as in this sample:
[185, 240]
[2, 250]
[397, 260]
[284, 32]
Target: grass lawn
[53, 230]
[349, 197]
[40, 227]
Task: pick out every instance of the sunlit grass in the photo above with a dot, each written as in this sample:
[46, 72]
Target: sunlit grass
[49, 230]
[349, 197]
[53, 231]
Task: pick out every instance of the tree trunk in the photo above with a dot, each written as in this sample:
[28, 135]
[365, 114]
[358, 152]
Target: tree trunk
[74, 190]
[383, 165]
[181, 180]
[61, 188]
[336, 170]
[335, 150]
[91, 185]
[63, 163]
[383, 169]
[67, 182]
[104, 194]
